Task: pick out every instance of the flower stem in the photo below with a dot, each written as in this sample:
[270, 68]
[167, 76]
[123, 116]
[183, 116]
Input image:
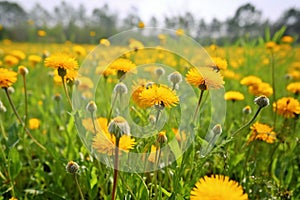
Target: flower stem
[93, 121]
[26, 100]
[116, 166]
[274, 90]
[21, 122]
[157, 157]
[66, 91]
[2, 129]
[111, 109]
[80, 192]
[198, 105]
[248, 123]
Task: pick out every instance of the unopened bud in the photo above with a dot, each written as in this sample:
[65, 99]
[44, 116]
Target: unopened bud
[10, 90]
[262, 101]
[57, 97]
[23, 70]
[217, 129]
[247, 110]
[72, 167]
[162, 138]
[159, 71]
[91, 107]
[175, 78]
[121, 88]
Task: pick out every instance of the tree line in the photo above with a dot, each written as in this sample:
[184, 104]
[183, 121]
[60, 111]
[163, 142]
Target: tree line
[65, 23]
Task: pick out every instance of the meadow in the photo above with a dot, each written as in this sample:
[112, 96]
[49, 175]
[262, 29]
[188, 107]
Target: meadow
[230, 126]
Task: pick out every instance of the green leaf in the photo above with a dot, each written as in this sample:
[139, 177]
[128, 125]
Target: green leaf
[289, 176]
[15, 164]
[273, 171]
[93, 180]
[267, 34]
[176, 150]
[163, 190]
[279, 34]
[238, 158]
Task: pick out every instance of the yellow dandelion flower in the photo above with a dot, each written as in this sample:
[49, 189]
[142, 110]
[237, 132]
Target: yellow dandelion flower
[151, 157]
[250, 80]
[122, 64]
[160, 95]
[219, 63]
[287, 39]
[105, 143]
[230, 74]
[105, 42]
[180, 136]
[262, 132]
[7, 41]
[234, 96]
[137, 89]
[62, 61]
[288, 107]
[20, 55]
[294, 88]
[79, 50]
[135, 44]
[205, 78]
[34, 59]
[261, 89]
[7, 78]
[41, 33]
[69, 77]
[100, 123]
[272, 46]
[92, 33]
[294, 74]
[34, 123]
[85, 83]
[11, 60]
[179, 32]
[141, 24]
[217, 187]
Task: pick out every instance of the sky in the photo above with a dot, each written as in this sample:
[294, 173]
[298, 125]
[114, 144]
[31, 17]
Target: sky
[206, 9]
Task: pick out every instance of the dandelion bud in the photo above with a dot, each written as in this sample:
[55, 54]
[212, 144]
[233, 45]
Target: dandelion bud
[22, 70]
[159, 71]
[247, 110]
[10, 90]
[288, 77]
[57, 97]
[77, 82]
[91, 107]
[62, 72]
[217, 129]
[162, 138]
[72, 167]
[119, 127]
[262, 101]
[121, 88]
[175, 78]
[152, 119]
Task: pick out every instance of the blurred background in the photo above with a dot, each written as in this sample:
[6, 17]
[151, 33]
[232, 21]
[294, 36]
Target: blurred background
[80, 21]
